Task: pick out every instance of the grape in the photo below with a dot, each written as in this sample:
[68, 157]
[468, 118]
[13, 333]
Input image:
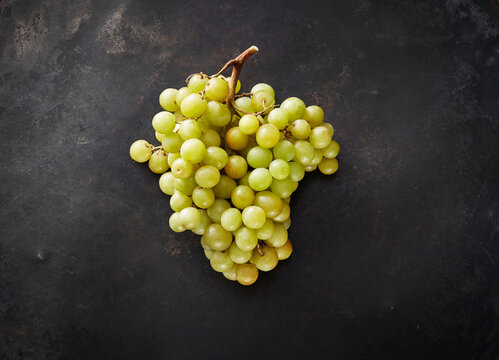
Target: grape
[259, 157]
[197, 83]
[193, 150]
[242, 196]
[300, 129]
[210, 138]
[236, 167]
[182, 93]
[175, 222]
[179, 201]
[310, 168]
[235, 139]
[317, 157]
[332, 150]
[216, 156]
[314, 115]
[231, 274]
[167, 100]
[185, 186]
[207, 176]
[217, 89]
[203, 198]
[204, 123]
[171, 142]
[237, 255]
[181, 168]
[284, 214]
[140, 151]
[179, 117]
[163, 122]
[269, 202]
[189, 129]
[266, 231]
[260, 179]
[304, 152]
[245, 179]
[267, 261]
[320, 137]
[294, 107]
[246, 238]
[223, 189]
[279, 169]
[263, 87]
[217, 113]
[244, 103]
[158, 163]
[253, 217]
[220, 261]
[279, 236]
[216, 210]
[231, 219]
[328, 166]
[329, 127]
[246, 274]
[262, 101]
[284, 252]
[282, 188]
[190, 217]
[193, 106]
[217, 238]
[279, 118]
[249, 124]
[166, 183]
[158, 136]
[296, 171]
[284, 150]
[203, 225]
[172, 157]
[287, 224]
[267, 135]
[209, 253]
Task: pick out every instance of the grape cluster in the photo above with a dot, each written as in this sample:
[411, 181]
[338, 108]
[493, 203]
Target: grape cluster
[231, 167]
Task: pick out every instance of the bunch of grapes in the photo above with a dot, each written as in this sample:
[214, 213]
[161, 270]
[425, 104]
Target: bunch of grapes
[231, 162]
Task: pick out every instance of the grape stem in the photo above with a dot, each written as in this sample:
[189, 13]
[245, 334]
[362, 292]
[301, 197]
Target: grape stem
[259, 249]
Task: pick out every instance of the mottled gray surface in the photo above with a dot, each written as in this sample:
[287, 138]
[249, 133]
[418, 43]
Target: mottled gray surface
[396, 256]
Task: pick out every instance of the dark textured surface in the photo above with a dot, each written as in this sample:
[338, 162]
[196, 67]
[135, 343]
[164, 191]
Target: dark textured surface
[396, 256]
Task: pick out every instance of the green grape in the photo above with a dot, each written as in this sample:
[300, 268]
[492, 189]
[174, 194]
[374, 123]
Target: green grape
[263, 87]
[189, 129]
[193, 106]
[220, 261]
[179, 117]
[328, 166]
[304, 152]
[235, 139]
[166, 183]
[216, 157]
[203, 225]
[203, 198]
[332, 150]
[224, 187]
[217, 113]
[300, 129]
[259, 157]
[267, 261]
[208, 253]
[182, 93]
[295, 186]
[186, 186]
[217, 89]
[167, 100]
[231, 274]
[181, 168]
[210, 138]
[279, 237]
[216, 210]
[175, 222]
[314, 115]
[310, 168]
[279, 118]
[197, 83]
[253, 217]
[282, 188]
[171, 142]
[249, 124]
[217, 238]
[239, 256]
[231, 220]
[245, 179]
[269, 202]
[204, 123]
[287, 223]
[284, 252]
[163, 122]
[284, 214]
[317, 157]
[244, 103]
[246, 274]
[179, 201]
[172, 157]
[267, 135]
[193, 150]
[329, 127]
[191, 217]
[296, 171]
[242, 196]
[203, 243]
[320, 137]
[140, 151]
[158, 136]
[236, 167]
[158, 163]
[266, 231]
[260, 179]
[279, 169]
[284, 150]
[262, 101]
[207, 176]
[246, 238]
[294, 107]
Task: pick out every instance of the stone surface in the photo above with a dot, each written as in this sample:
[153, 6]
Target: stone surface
[396, 256]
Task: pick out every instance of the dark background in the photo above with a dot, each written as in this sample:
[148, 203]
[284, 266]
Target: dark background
[396, 256]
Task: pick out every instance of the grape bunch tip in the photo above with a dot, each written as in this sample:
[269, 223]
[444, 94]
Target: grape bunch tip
[230, 164]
